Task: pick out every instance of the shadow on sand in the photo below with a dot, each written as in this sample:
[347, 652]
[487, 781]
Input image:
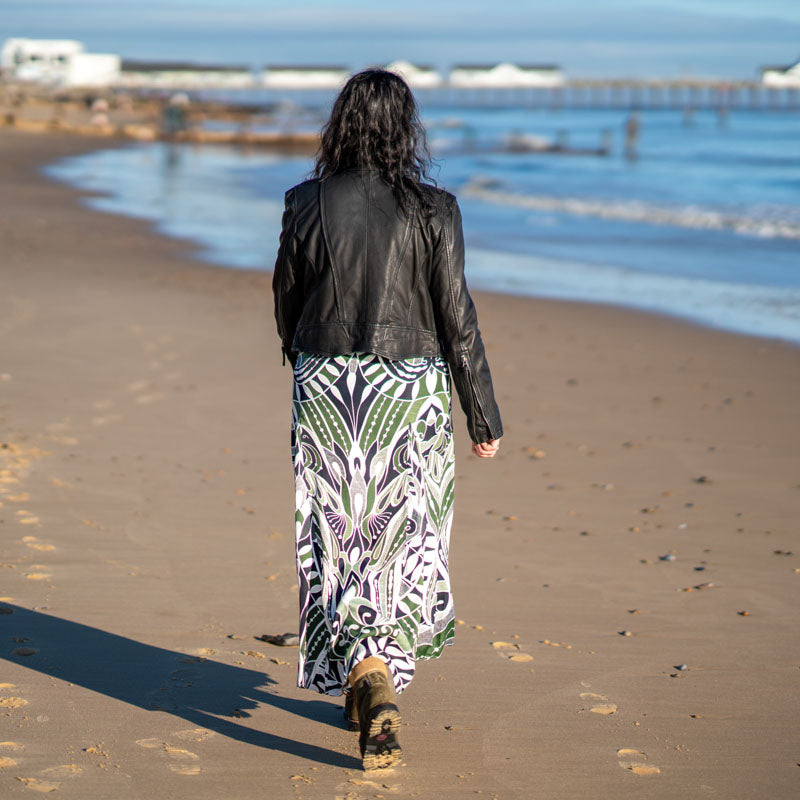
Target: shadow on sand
[195, 689]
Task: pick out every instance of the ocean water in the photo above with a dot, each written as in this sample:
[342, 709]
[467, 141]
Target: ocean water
[703, 223]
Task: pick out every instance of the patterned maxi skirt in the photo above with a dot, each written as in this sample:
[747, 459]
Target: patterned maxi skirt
[372, 446]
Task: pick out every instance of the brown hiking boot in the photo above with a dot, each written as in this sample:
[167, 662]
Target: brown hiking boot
[378, 716]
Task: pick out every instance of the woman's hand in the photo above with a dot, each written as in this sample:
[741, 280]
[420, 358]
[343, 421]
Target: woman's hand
[486, 449]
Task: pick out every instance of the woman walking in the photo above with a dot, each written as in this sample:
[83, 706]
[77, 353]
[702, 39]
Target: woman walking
[375, 317]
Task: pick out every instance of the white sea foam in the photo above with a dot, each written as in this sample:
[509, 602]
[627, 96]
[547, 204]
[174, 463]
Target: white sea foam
[772, 312]
[767, 224]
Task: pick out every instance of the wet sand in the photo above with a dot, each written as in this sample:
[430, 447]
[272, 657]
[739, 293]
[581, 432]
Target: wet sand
[625, 573]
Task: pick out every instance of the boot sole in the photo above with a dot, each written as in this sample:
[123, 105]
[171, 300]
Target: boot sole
[381, 749]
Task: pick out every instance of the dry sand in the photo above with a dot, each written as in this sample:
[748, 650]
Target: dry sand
[146, 506]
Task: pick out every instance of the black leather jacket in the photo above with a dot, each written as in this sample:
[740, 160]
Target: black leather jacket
[355, 274]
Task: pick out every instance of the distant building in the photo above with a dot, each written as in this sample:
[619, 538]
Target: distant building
[58, 62]
[417, 76]
[183, 75]
[782, 77]
[506, 75]
[281, 76]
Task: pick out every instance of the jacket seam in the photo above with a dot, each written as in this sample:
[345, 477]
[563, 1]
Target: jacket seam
[449, 258]
[324, 225]
[401, 257]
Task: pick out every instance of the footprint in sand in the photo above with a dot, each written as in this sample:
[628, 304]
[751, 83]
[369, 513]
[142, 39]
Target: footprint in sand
[22, 497]
[510, 651]
[11, 747]
[182, 758]
[603, 708]
[59, 427]
[34, 543]
[13, 702]
[634, 761]
[39, 785]
[194, 734]
[62, 771]
[146, 399]
[69, 441]
[100, 421]
[25, 517]
[38, 573]
[47, 784]
[7, 762]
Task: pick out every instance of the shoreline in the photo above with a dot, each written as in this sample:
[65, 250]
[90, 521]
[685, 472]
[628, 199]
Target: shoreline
[204, 251]
[644, 498]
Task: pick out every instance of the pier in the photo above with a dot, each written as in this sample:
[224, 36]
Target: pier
[628, 94]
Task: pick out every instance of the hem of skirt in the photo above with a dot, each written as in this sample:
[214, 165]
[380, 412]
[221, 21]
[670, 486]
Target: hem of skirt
[446, 643]
[330, 693]
[340, 692]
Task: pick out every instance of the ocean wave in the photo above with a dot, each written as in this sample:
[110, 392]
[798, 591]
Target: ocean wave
[696, 217]
[767, 311]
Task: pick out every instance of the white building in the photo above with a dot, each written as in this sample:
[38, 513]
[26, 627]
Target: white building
[183, 75]
[506, 75]
[782, 77]
[59, 62]
[92, 69]
[278, 76]
[417, 76]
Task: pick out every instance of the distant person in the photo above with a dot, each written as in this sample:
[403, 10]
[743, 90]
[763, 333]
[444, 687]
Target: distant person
[174, 119]
[632, 135]
[372, 308]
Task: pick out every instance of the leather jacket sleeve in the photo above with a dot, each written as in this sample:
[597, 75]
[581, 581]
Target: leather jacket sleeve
[457, 327]
[287, 284]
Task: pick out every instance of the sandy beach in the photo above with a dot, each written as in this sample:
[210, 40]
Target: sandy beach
[625, 573]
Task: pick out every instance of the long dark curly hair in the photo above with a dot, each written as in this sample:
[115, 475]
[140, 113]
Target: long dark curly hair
[375, 123]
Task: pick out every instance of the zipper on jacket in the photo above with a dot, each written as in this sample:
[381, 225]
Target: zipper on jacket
[475, 397]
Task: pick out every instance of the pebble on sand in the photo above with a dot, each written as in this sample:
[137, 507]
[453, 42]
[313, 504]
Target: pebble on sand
[555, 644]
[698, 586]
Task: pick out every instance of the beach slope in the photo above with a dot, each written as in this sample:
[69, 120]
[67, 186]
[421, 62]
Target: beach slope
[625, 573]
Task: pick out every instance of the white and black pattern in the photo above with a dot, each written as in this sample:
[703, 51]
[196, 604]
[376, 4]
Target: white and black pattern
[372, 447]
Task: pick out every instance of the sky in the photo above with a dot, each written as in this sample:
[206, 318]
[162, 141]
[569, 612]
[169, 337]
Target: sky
[587, 38]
